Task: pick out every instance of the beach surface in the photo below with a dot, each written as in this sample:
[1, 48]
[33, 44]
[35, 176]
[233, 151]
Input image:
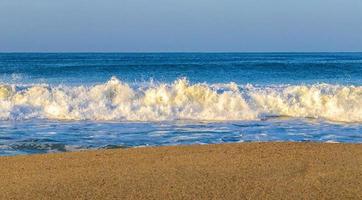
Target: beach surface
[224, 171]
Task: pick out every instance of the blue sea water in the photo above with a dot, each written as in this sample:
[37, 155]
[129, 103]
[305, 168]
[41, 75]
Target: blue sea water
[55, 102]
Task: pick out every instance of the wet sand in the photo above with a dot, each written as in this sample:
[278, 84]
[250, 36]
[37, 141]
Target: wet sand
[227, 171]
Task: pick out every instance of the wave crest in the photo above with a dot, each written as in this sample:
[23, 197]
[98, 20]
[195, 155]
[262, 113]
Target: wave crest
[116, 100]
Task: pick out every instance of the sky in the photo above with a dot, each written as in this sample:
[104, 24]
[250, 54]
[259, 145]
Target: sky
[180, 25]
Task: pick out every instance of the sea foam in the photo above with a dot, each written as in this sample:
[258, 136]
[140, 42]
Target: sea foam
[181, 100]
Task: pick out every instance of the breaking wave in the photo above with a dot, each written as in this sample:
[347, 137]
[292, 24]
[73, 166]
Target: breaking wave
[116, 100]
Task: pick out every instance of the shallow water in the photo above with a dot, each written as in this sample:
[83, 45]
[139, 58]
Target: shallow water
[43, 136]
[67, 102]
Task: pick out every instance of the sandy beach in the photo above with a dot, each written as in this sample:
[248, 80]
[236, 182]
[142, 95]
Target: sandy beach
[226, 171]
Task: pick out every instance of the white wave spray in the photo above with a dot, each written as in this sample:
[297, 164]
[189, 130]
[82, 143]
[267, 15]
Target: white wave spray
[180, 100]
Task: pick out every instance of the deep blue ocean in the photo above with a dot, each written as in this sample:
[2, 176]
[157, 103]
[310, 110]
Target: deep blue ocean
[56, 102]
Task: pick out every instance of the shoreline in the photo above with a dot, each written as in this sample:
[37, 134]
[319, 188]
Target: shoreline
[267, 170]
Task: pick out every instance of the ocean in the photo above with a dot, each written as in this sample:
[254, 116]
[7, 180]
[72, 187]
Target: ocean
[57, 102]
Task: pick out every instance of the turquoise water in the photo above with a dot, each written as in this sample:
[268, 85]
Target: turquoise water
[65, 102]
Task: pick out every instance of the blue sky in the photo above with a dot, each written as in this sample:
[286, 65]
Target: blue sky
[180, 25]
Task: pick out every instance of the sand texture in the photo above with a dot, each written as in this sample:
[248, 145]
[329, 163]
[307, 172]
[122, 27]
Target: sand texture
[227, 171]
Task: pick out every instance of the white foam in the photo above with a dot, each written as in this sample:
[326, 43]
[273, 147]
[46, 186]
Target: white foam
[116, 100]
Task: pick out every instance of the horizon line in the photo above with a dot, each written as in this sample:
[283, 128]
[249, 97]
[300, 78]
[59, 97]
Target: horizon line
[135, 52]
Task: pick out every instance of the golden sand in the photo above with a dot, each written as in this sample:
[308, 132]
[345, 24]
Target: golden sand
[227, 171]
